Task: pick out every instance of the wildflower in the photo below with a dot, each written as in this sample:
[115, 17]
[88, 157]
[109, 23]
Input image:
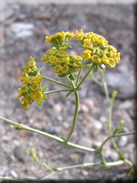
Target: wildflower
[59, 39]
[31, 78]
[97, 49]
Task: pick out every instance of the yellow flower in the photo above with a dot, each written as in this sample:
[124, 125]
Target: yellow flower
[44, 57]
[37, 95]
[57, 69]
[53, 59]
[65, 69]
[86, 54]
[111, 63]
[117, 57]
[35, 87]
[59, 39]
[25, 103]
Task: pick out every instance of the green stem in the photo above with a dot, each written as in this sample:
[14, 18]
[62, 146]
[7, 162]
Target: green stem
[118, 135]
[54, 81]
[54, 91]
[58, 139]
[85, 76]
[18, 180]
[79, 73]
[75, 116]
[99, 164]
[96, 81]
[50, 175]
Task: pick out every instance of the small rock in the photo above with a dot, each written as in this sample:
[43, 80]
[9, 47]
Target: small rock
[44, 16]
[57, 108]
[20, 26]
[88, 158]
[122, 141]
[126, 104]
[74, 157]
[103, 119]
[66, 125]
[24, 33]
[54, 130]
[84, 108]
[14, 174]
[97, 125]
[88, 102]
[25, 133]
[84, 172]
[114, 156]
[5, 138]
[19, 153]
[124, 83]
[84, 141]
[83, 93]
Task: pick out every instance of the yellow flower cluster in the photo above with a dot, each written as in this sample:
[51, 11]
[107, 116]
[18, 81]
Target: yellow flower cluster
[31, 78]
[64, 63]
[97, 49]
[59, 39]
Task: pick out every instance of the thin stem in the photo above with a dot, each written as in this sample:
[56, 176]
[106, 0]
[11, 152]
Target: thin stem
[58, 139]
[7, 178]
[75, 116]
[54, 91]
[54, 81]
[96, 81]
[79, 73]
[50, 175]
[99, 164]
[85, 76]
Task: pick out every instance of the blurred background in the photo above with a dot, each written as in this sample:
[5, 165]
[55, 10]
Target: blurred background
[22, 34]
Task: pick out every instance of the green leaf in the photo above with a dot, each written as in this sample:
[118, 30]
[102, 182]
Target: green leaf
[43, 88]
[118, 129]
[63, 138]
[44, 97]
[61, 75]
[39, 102]
[68, 93]
[87, 62]
[102, 66]
[95, 67]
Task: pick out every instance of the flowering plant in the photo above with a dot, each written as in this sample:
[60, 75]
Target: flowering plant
[96, 56]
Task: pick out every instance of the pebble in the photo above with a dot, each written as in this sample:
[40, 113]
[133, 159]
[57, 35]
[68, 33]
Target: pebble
[20, 26]
[14, 174]
[19, 153]
[114, 156]
[5, 138]
[88, 102]
[88, 158]
[84, 108]
[57, 108]
[126, 104]
[97, 125]
[122, 141]
[74, 157]
[116, 81]
[84, 141]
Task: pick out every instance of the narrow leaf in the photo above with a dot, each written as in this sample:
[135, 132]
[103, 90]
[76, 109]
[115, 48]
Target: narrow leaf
[87, 62]
[44, 97]
[43, 88]
[39, 102]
